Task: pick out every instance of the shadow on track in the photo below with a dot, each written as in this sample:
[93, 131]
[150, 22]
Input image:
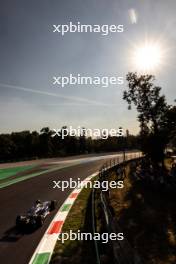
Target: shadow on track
[13, 234]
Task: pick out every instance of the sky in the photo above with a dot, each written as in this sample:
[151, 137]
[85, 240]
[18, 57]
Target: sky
[31, 54]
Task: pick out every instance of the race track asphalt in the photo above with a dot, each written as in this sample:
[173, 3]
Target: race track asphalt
[15, 247]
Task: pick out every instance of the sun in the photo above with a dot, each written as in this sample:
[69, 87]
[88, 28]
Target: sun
[147, 57]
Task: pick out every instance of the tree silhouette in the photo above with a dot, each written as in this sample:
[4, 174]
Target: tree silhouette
[156, 117]
[32, 145]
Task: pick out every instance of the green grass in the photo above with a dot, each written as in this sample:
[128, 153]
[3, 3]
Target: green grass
[71, 251]
[8, 172]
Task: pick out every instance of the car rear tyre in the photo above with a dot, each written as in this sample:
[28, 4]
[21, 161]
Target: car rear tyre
[39, 221]
[53, 205]
[18, 221]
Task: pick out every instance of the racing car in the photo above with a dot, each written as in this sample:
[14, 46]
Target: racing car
[36, 215]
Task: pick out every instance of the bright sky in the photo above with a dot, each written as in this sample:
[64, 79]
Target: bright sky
[31, 54]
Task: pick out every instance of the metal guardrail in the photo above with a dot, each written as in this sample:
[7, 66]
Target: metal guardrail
[123, 253]
[94, 227]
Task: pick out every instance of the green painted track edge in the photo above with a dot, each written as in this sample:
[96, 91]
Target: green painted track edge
[41, 258]
[8, 183]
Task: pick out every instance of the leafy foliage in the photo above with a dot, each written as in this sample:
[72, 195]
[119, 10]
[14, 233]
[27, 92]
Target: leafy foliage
[31, 145]
[157, 119]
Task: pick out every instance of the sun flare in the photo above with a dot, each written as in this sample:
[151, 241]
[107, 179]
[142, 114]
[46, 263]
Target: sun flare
[147, 58]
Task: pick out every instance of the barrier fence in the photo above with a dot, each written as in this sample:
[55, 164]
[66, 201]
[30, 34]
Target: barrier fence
[122, 251]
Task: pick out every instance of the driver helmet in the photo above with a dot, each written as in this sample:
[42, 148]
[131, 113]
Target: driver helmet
[38, 202]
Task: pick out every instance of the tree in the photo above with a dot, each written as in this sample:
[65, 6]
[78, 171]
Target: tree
[154, 114]
[45, 145]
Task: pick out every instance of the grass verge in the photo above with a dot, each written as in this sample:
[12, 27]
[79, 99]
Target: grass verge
[79, 218]
[147, 216]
